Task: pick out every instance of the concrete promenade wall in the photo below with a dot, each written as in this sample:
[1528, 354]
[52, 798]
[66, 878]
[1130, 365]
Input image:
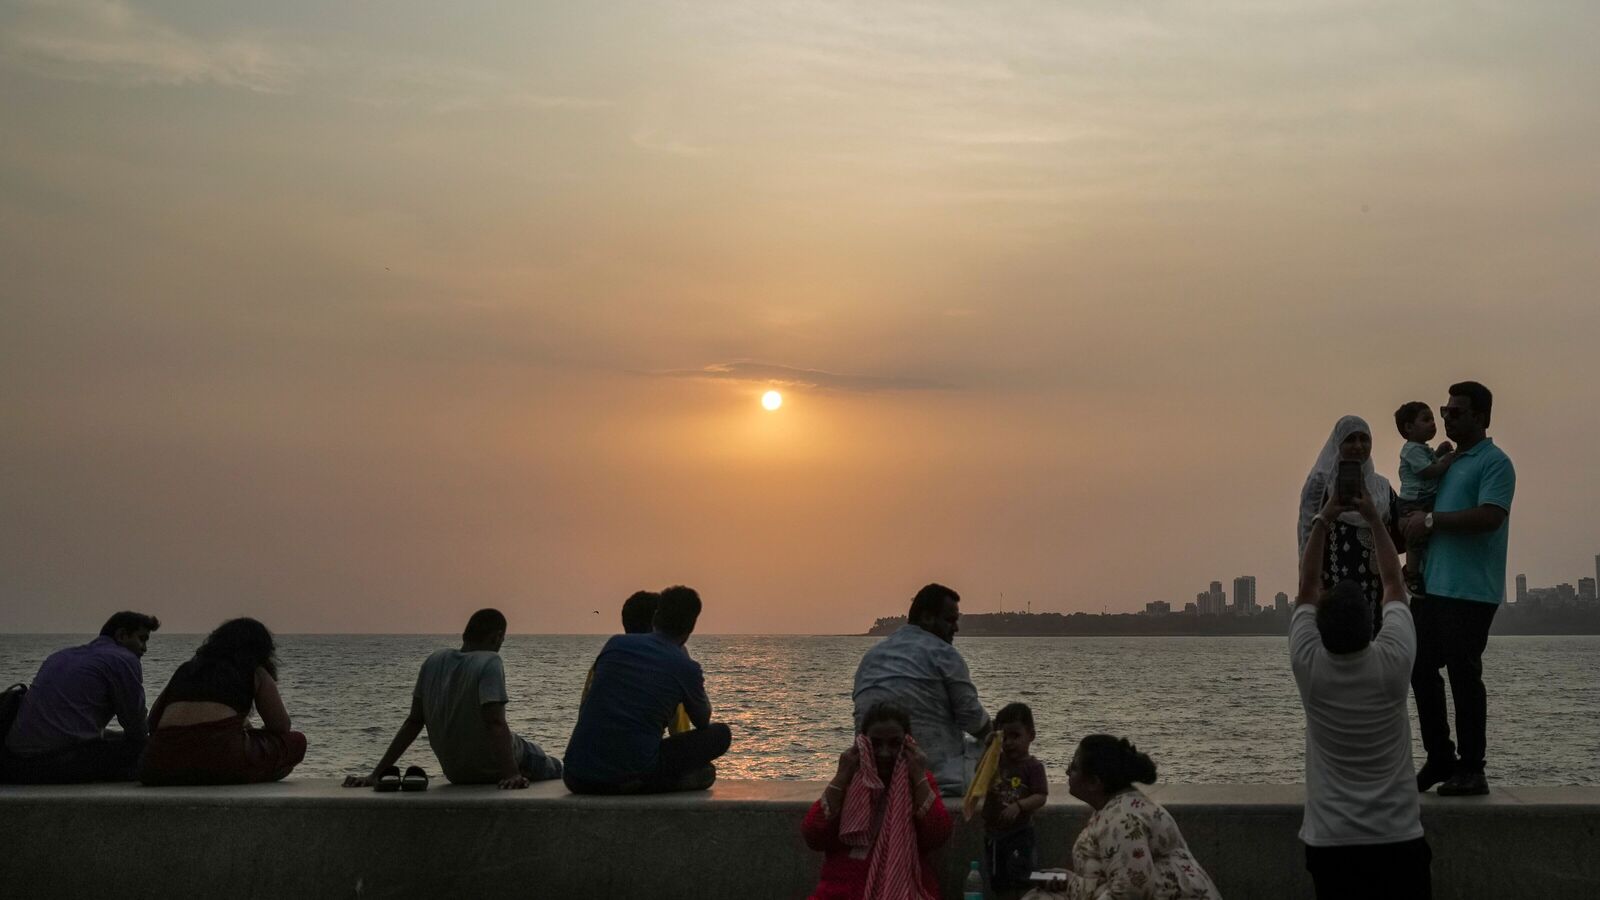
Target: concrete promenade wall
[308, 838]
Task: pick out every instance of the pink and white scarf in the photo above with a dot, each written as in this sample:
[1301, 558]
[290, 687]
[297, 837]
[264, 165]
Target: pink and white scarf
[894, 869]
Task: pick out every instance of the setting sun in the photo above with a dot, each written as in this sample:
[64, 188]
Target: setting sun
[772, 400]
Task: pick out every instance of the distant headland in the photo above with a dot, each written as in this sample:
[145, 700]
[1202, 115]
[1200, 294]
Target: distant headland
[1581, 619]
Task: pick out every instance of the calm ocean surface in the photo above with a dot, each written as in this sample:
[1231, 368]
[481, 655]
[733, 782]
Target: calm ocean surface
[1217, 710]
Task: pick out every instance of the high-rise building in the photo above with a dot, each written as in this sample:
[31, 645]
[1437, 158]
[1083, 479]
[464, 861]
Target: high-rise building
[1219, 599]
[1597, 567]
[1522, 588]
[1244, 595]
[1202, 603]
[1586, 589]
[1280, 602]
[1157, 608]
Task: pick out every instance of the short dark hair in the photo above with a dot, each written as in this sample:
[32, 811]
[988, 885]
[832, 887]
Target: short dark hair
[244, 642]
[1481, 398]
[1407, 413]
[485, 623]
[930, 601]
[678, 610]
[639, 612]
[1115, 762]
[128, 621]
[885, 712]
[1014, 712]
[1344, 619]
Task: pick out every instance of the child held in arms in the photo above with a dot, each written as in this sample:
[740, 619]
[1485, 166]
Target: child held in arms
[1010, 847]
[1421, 467]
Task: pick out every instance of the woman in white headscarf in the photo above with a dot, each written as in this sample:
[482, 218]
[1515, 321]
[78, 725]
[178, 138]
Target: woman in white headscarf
[1350, 544]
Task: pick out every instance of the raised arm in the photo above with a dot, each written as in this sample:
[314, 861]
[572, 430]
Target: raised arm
[1313, 494]
[1314, 548]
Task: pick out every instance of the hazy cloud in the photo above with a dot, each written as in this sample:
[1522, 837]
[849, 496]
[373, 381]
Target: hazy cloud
[109, 41]
[772, 373]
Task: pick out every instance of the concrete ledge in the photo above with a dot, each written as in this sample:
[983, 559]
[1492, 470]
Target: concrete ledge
[311, 838]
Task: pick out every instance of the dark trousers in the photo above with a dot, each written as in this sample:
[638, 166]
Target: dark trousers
[1372, 871]
[104, 760]
[1451, 634]
[684, 765]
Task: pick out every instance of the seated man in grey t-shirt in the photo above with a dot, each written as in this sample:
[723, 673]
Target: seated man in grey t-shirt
[460, 698]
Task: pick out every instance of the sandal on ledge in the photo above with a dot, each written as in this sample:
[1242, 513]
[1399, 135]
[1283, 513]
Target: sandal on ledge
[389, 781]
[415, 779]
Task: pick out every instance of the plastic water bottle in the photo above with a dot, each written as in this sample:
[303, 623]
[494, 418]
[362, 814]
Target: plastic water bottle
[973, 890]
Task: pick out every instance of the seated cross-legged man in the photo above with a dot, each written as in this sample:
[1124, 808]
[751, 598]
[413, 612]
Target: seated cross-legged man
[60, 736]
[460, 697]
[639, 682]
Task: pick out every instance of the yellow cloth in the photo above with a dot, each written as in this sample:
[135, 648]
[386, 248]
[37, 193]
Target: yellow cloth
[982, 779]
[680, 719]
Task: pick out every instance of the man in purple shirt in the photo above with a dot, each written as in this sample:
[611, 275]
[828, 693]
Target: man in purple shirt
[59, 735]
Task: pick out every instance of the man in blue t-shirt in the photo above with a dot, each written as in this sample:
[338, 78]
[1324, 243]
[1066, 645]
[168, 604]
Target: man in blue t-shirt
[1466, 582]
[639, 682]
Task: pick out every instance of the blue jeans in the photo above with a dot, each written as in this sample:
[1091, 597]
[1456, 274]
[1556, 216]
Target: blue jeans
[533, 762]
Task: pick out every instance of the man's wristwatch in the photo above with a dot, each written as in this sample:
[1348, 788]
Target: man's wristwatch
[1427, 521]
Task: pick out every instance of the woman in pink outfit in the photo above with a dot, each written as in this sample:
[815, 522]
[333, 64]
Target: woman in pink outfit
[877, 824]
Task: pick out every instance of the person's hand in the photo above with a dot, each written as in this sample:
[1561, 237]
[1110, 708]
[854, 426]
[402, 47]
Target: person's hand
[1414, 528]
[1010, 813]
[916, 760]
[849, 764]
[359, 781]
[1368, 509]
[1446, 448]
[1333, 508]
[515, 783]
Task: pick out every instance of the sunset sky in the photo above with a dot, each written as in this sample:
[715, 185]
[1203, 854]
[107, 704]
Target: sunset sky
[360, 316]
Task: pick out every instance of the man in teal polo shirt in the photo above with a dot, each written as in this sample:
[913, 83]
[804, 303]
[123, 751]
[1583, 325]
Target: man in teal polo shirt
[1466, 583]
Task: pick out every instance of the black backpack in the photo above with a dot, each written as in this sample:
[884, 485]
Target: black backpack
[10, 704]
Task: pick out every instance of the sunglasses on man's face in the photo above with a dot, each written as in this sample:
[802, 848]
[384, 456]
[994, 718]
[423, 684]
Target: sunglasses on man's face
[1450, 412]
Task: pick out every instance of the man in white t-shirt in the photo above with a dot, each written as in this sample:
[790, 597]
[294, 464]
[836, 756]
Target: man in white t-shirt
[1363, 822]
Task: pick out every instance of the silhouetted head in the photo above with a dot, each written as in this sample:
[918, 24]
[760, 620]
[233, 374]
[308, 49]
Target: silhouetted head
[639, 612]
[1415, 422]
[677, 612]
[1344, 619]
[486, 630]
[1014, 721]
[245, 643]
[1105, 766]
[936, 609]
[1466, 416]
[886, 727]
[131, 630]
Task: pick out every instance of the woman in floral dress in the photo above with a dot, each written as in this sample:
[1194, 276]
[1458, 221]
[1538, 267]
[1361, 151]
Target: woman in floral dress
[1130, 849]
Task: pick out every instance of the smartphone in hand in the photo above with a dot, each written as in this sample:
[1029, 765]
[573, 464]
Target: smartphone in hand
[1348, 484]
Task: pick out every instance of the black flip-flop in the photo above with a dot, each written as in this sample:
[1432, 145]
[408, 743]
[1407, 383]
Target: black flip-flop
[388, 780]
[415, 779]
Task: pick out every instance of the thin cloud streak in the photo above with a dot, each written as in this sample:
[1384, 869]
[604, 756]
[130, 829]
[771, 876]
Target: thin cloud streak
[772, 373]
[110, 42]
